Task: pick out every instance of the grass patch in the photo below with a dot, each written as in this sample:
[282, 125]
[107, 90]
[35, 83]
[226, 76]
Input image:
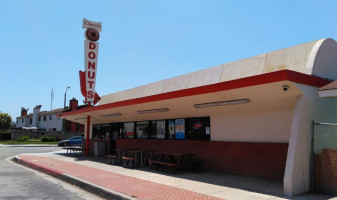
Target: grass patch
[31, 141]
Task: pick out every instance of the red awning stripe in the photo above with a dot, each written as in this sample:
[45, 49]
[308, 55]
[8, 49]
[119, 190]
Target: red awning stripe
[228, 85]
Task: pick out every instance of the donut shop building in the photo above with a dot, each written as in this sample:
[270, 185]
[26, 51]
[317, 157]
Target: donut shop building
[250, 117]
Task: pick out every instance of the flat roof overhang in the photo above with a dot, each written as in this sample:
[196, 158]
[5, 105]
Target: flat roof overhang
[329, 90]
[265, 93]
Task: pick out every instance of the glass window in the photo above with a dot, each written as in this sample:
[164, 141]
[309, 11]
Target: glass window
[160, 129]
[129, 130]
[106, 129]
[50, 117]
[30, 121]
[116, 129]
[97, 132]
[44, 118]
[199, 128]
[143, 129]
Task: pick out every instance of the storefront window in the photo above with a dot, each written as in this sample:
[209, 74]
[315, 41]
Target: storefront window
[171, 129]
[160, 129]
[129, 130]
[106, 130]
[199, 128]
[97, 132]
[180, 129]
[143, 129]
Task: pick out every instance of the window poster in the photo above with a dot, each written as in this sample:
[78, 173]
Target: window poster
[171, 127]
[180, 129]
[129, 130]
[160, 129]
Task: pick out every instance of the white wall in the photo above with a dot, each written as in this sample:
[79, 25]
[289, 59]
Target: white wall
[323, 59]
[309, 107]
[255, 127]
[36, 112]
[51, 124]
[19, 123]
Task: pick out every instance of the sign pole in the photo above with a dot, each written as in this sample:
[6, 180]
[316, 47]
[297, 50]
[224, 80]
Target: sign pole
[87, 136]
[88, 77]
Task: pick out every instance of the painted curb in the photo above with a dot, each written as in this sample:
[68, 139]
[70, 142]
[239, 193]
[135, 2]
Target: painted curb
[74, 181]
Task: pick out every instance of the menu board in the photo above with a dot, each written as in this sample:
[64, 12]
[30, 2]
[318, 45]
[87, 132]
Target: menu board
[180, 129]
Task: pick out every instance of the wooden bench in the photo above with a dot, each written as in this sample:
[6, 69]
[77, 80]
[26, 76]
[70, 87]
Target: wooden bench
[174, 166]
[170, 159]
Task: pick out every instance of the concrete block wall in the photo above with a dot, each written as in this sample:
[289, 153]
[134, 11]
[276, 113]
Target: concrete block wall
[37, 134]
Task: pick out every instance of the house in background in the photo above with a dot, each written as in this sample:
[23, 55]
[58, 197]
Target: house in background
[48, 120]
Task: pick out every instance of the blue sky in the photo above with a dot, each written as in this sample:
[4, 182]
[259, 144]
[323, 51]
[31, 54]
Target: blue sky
[42, 42]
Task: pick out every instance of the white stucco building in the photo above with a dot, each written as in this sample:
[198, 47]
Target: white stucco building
[45, 120]
[250, 117]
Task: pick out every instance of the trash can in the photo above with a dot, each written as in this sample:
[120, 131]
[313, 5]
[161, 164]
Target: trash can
[99, 148]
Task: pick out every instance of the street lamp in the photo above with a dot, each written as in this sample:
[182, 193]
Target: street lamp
[65, 96]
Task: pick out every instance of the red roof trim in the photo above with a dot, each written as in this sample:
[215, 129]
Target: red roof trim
[234, 84]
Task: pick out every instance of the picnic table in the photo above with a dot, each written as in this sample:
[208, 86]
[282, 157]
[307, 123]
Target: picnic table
[77, 149]
[137, 156]
[131, 157]
[170, 159]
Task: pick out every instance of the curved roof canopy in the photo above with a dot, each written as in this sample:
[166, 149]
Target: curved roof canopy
[317, 58]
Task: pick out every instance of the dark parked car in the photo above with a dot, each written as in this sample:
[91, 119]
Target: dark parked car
[71, 141]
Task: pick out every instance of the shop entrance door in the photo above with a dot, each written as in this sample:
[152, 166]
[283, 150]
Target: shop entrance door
[115, 132]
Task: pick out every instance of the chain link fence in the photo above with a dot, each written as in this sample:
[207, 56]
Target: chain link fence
[325, 158]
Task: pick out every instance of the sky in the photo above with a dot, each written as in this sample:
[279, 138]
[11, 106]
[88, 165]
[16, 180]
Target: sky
[142, 41]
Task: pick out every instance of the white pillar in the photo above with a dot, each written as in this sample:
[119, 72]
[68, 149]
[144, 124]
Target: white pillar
[297, 172]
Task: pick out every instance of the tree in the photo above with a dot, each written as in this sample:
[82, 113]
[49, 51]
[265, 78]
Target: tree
[5, 121]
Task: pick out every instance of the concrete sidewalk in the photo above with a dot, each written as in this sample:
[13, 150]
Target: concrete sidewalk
[116, 182]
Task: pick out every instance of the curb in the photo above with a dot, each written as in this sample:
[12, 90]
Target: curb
[99, 191]
[27, 145]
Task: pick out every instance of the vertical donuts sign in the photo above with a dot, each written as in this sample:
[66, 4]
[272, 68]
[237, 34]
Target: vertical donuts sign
[88, 77]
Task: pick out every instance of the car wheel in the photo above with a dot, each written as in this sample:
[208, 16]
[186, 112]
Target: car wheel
[66, 144]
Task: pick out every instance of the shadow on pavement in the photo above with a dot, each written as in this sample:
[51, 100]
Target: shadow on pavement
[251, 184]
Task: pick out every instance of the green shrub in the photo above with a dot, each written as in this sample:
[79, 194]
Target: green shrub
[23, 139]
[48, 139]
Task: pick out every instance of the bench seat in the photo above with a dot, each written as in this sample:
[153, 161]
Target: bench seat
[163, 163]
[158, 163]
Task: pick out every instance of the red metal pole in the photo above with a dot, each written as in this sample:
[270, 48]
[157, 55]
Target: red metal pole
[87, 137]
